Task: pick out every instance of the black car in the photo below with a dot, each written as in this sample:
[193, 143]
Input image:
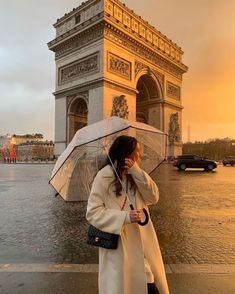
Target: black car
[229, 160]
[194, 161]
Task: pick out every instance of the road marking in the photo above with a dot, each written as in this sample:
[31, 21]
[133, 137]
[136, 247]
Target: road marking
[93, 268]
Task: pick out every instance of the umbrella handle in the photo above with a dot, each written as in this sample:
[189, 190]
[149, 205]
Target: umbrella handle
[146, 216]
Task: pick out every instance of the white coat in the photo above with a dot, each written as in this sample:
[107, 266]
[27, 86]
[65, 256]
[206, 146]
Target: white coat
[122, 271]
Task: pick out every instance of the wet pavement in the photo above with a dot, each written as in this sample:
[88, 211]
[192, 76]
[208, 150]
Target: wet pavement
[194, 219]
[86, 283]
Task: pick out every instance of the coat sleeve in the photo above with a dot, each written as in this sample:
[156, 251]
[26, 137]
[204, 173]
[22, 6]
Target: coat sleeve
[105, 219]
[145, 185]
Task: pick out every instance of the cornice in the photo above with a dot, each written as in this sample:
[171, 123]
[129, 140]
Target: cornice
[124, 8]
[79, 29]
[138, 18]
[128, 30]
[118, 14]
[147, 46]
[78, 41]
[174, 105]
[138, 49]
[70, 14]
[91, 85]
[108, 31]
[78, 88]
[113, 84]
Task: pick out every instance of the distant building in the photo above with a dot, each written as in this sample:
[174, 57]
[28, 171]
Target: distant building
[35, 151]
[25, 148]
[20, 139]
[5, 140]
[5, 148]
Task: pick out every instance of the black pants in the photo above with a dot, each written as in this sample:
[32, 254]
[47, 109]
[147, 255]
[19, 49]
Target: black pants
[152, 289]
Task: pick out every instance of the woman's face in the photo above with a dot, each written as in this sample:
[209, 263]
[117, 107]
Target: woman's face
[135, 155]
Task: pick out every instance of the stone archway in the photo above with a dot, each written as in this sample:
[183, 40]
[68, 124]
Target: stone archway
[148, 106]
[104, 49]
[77, 116]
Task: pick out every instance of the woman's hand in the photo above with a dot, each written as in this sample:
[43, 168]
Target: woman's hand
[135, 216]
[128, 163]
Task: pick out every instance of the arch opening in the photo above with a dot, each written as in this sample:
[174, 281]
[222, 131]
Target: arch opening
[77, 117]
[148, 108]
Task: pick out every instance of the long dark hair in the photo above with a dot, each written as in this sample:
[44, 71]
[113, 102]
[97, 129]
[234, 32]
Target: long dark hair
[122, 147]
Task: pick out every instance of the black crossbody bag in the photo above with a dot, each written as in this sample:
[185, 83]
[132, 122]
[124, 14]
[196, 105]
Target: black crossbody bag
[103, 239]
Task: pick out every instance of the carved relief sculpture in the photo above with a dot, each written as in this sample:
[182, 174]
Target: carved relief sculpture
[173, 91]
[174, 128]
[119, 66]
[79, 68]
[120, 107]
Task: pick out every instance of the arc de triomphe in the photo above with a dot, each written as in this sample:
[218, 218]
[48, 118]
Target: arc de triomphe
[109, 61]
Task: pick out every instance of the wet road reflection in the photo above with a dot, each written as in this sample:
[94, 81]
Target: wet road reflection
[194, 219]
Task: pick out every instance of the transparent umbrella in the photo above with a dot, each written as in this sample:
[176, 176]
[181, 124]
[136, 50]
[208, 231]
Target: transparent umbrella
[77, 166]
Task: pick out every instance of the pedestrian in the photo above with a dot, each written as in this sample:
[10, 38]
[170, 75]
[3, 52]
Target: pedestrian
[136, 266]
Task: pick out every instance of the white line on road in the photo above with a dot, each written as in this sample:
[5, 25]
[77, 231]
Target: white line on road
[93, 268]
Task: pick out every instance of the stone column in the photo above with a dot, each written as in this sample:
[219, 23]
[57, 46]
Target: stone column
[95, 105]
[60, 125]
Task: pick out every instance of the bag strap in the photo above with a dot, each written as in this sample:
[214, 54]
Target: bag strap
[124, 204]
[125, 195]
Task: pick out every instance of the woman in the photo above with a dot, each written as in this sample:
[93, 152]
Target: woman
[136, 266]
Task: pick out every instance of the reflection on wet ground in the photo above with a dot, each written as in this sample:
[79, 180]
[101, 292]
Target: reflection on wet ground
[194, 219]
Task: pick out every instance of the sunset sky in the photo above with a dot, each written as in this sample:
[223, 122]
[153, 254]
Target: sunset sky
[204, 29]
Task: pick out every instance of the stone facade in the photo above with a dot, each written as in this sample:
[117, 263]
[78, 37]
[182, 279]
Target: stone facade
[104, 51]
[5, 141]
[35, 151]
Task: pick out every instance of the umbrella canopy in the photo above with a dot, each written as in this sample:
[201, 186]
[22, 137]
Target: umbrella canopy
[76, 167]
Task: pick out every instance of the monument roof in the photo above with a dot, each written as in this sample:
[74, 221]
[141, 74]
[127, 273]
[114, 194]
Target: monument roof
[117, 16]
[85, 4]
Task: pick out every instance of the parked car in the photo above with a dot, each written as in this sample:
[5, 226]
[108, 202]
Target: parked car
[229, 160]
[194, 161]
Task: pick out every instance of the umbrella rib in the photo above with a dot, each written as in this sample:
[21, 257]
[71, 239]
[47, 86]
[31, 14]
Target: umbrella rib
[158, 132]
[75, 164]
[93, 146]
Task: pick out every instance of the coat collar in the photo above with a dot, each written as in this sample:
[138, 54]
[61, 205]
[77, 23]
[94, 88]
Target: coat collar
[107, 172]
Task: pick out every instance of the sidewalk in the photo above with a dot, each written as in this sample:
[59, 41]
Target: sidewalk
[82, 279]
